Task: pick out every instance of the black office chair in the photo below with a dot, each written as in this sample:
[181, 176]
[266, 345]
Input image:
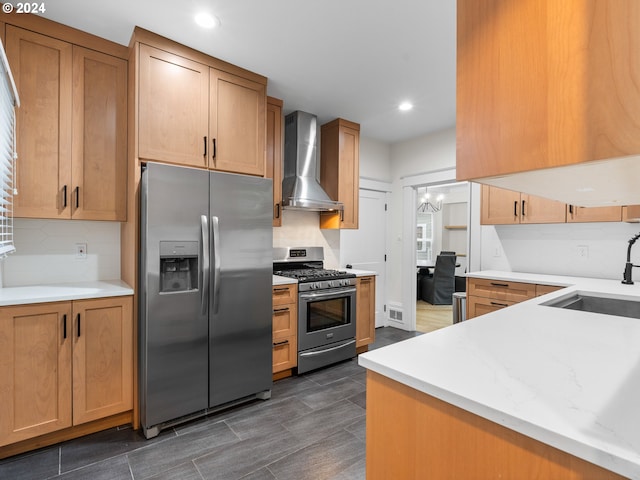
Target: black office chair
[438, 289]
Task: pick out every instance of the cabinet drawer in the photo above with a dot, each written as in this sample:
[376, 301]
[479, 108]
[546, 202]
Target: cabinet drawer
[283, 294]
[477, 306]
[284, 321]
[285, 354]
[544, 289]
[501, 290]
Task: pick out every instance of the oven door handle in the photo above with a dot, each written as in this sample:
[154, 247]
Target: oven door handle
[322, 352]
[327, 294]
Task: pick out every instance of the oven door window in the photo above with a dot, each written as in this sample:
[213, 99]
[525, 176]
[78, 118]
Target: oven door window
[323, 314]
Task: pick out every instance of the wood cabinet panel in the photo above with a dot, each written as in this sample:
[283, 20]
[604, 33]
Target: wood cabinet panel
[173, 108]
[41, 67]
[285, 329]
[544, 84]
[285, 354]
[534, 209]
[274, 155]
[500, 290]
[99, 155]
[237, 124]
[284, 294]
[365, 311]
[499, 206]
[102, 358]
[35, 370]
[477, 306]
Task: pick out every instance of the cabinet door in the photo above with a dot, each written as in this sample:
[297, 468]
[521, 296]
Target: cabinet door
[35, 370]
[173, 108]
[499, 206]
[593, 214]
[274, 155]
[237, 117]
[365, 311]
[99, 158]
[102, 358]
[535, 209]
[41, 68]
[477, 306]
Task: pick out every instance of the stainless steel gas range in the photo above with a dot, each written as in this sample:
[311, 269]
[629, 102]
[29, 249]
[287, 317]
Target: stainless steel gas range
[326, 306]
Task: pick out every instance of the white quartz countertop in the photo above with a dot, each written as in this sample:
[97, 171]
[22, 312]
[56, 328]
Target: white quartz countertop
[278, 280]
[569, 379]
[360, 273]
[63, 291]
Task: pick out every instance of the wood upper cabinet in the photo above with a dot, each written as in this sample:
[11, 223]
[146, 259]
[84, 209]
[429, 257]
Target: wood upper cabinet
[340, 171]
[190, 113]
[365, 311]
[71, 129]
[99, 132]
[237, 124]
[274, 155]
[64, 364]
[577, 214]
[500, 207]
[35, 370]
[173, 108]
[545, 83]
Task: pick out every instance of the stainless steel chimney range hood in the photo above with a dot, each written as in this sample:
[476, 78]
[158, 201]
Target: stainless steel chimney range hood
[300, 187]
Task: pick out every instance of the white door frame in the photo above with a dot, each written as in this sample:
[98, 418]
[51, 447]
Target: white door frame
[409, 218]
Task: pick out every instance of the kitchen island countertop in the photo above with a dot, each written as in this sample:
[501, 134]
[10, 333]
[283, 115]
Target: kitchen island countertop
[566, 378]
[63, 292]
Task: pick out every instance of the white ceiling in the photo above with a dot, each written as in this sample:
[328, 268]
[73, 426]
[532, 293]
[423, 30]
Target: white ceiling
[355, 59]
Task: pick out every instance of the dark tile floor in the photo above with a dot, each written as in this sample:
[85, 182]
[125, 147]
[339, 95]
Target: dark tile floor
[312, 428]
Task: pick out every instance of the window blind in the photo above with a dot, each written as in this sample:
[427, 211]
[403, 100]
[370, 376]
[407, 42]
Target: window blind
[9, 100]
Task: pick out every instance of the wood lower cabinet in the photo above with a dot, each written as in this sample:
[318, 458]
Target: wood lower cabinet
[488, 295]
[274, 155]
[196, 110]
[64, 364]
[365, 312]
[340, 171]
[285, 330]
[71, 124]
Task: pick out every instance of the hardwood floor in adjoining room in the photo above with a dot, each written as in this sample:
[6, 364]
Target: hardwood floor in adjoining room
[432, 317]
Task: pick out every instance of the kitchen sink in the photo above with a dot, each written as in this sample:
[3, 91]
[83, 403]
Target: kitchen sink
[595, 304]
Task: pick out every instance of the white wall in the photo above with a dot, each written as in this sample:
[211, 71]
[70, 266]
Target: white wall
[45, 252]
[374, 160]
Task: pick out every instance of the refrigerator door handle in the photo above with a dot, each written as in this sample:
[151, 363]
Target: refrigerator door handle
[204, 232]
[216, 262]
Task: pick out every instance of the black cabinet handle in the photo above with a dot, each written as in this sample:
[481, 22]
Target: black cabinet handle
[499, 304]
[64, 197]
[64, 326]
[570, 209]
[495, 284]
[522, 209]
[214, 149]
[277, 344]
[77, 194]
[205, 145]
[342, 215]
[277, 210]
[78, 317]
[283, 289]
[515, 208]
[278, 310]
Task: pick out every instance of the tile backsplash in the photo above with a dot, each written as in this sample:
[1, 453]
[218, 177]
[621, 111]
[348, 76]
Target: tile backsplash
[46, 252]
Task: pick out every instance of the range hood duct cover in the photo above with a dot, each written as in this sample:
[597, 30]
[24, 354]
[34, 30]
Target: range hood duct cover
[300, 187]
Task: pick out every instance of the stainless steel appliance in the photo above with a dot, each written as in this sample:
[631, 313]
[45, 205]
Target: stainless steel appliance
[300, 187]
[205, 292]
[326, 306]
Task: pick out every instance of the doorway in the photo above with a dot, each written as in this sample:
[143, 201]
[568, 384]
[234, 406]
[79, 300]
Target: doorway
[441, 227]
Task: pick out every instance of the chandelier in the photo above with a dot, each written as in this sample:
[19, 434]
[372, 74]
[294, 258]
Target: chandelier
[427, 206]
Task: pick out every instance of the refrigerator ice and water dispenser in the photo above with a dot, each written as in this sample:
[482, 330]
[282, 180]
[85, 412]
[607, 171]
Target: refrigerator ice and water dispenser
[178, 267]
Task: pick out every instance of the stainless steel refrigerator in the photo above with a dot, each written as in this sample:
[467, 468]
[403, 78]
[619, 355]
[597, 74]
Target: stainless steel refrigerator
[205, 292]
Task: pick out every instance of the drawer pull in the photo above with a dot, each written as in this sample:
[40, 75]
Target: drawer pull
[64, 329]
[279, 344]
[279, 310]
[285, 289]
[494, 284]
[499, 304]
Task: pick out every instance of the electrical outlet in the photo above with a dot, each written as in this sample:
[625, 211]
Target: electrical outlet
[81, 251]
[583, 251]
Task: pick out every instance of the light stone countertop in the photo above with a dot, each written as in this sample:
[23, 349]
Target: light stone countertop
[63, 291]
[569, 379]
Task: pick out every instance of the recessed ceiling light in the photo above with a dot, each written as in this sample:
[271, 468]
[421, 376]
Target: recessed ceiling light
[206, 20]
[405, 106]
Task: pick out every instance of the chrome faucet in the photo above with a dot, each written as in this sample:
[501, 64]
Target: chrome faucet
[628, 266]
